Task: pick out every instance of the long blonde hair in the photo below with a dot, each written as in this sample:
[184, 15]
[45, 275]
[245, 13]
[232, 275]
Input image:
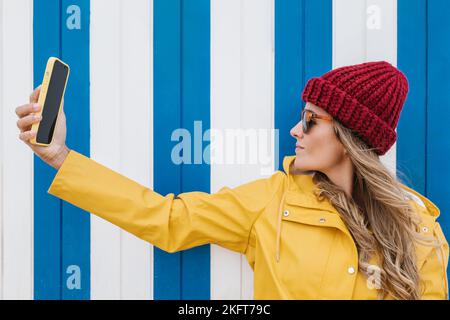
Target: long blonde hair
[379, 218]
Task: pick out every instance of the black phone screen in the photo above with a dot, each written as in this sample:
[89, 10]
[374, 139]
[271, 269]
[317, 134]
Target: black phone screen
[52, 102]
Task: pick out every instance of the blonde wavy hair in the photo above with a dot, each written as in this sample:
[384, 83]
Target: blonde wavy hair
[379, 218]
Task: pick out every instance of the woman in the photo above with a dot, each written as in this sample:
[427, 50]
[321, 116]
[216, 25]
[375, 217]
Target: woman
[334, 224]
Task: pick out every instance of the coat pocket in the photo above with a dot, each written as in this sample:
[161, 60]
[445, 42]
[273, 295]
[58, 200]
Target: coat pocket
[305, 247]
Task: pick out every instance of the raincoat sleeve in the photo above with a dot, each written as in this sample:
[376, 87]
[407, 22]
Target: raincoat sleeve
[171, 223]
[434, 270]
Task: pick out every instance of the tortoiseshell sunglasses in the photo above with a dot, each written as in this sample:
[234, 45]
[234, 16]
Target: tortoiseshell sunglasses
[309, 117]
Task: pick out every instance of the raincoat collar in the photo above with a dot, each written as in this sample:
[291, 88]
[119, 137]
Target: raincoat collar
[305, 183]
[301, 187]
[300, 191]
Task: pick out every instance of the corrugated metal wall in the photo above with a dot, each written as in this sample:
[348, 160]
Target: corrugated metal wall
[142, 69]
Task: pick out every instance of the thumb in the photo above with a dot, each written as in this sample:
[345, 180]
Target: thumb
[35, 94]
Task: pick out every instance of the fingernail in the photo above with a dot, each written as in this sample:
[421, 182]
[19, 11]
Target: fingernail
[36, 106]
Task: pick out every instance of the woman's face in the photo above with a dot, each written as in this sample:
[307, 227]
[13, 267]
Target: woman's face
[319, 149]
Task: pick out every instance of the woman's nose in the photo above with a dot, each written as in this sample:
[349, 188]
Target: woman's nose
[296, 131]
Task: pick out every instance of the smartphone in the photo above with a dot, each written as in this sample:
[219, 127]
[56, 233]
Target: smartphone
[50, 99]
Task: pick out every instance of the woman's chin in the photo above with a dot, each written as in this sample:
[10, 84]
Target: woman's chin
[298, 164]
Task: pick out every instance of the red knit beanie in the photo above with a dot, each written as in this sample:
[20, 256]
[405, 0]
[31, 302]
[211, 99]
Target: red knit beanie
[366, 98]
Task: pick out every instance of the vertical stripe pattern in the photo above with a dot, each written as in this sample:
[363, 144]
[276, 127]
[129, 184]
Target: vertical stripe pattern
[181, 102]
[62, 231]
[120, 72]
[154, 82]
[424, 55]
[75, 223]
[303, 49]
[242, 71]
[47, 209]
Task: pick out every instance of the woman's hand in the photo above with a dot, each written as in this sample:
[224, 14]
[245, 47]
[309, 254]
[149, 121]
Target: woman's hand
[57, 151]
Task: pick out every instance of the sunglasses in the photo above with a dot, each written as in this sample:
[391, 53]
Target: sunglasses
[309, 118]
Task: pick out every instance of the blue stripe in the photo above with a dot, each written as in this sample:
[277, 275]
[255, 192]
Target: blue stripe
[166, 118]
[423, 55]
[318, 43]
[47, 209]
[303, 49]
[61, 230]
[75, 221]
[195, 106]
[411, 59]
[438, 113]
[181, 96]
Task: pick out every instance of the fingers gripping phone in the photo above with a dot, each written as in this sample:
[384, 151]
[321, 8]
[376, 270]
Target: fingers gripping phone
[50, 99]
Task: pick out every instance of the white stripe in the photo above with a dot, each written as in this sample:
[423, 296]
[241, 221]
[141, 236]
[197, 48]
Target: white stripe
[137, 135]
[121, 137]
[225, 113]
[16, 177]
[105, 134]
[366, 31]
[242, 85]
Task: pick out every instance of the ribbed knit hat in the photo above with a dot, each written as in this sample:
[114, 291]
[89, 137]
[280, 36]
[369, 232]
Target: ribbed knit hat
[366, 98]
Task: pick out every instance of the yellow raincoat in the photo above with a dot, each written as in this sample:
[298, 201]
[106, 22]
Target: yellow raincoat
[298, 247]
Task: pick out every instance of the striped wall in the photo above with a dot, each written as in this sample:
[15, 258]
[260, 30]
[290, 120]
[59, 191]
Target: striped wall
[303, 49]
[142, 70]
[242, 97]
[424, 55]
[62, 231]
[181, 100]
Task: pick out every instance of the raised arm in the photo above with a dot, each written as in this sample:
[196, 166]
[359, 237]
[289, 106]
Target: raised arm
[168, 222]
